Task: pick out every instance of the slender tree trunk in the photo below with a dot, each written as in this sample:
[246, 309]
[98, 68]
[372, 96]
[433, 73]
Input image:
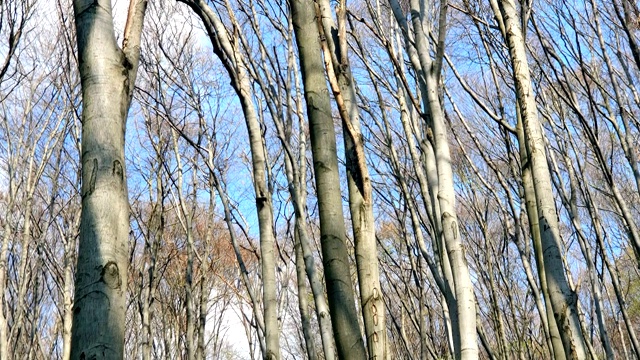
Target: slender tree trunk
[201, 351]
[108, 75]
[358, 180]
[320, 299]
[67, 297]
[244, 273]
[450, 248]
[185, 217]
[235, 63]
[303, 303]
[4, 252]
[323, 145]
[563, 299]
[532, 214]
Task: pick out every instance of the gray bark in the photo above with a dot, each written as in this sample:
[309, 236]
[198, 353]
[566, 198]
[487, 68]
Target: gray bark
[235, 63]
[451, 249]
[532, 214]
[303, 303]
[107, 76]
[323, 145]
[296, 176]
[358, 180]
[563, 299]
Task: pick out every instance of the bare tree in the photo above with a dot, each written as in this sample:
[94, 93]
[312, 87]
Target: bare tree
[563, 298]
[323, 145]
[108, 75]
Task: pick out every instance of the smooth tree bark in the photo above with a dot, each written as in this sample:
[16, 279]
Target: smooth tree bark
[529, 195]
[235, 63]
[295, 168]
[439, 169]
[303, 302]
[108, 74]
[283, 108]
[564, 300]
[296, 173]
[340, 294]
[334, 44]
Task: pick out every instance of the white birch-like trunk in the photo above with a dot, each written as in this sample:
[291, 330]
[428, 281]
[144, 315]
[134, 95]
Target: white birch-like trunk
[460, 296]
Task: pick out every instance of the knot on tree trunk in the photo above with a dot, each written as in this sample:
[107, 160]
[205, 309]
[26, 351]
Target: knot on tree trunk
[110, 275]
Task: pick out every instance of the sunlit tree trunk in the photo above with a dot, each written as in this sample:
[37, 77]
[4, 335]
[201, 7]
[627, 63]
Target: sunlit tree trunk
[303, 303]
[563, 299]
[429, 68]
[534, 228]
[358, 180]
[108, 75]
[296, 172]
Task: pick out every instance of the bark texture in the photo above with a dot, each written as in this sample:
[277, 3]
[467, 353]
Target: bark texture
[358, 180]
[325, 162]
[564, 300]
[107, 73]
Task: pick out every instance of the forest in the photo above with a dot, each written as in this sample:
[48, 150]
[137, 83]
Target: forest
[318, 179]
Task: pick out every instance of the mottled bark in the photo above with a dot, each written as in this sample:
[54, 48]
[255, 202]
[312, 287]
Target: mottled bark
[323, 145]
[563, 299]
[107, 75]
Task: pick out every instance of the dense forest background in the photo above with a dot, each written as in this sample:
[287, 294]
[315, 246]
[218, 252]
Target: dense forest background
[450, 118]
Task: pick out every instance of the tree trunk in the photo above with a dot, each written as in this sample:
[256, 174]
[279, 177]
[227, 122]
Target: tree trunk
[235, 63]
[296, 177]
[532, 214]
[303, 303]
[358, 180]
[450, 247]
[323, 145]
[563, 299]
[108, 75]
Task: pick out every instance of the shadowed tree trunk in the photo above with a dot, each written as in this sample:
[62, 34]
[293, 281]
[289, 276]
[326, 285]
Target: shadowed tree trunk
[344, 317]
[108, 74]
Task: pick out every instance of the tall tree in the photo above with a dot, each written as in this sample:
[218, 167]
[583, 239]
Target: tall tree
[228, 51]
[459, 290]
[564, 300]
[108, 73]
[344, 317]
[334, 43]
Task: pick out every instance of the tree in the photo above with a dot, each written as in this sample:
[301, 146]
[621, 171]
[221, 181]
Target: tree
[325, 163]
[564, 301]
[459, 289]
[334, 44]
[236, 65]
[108, 75]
